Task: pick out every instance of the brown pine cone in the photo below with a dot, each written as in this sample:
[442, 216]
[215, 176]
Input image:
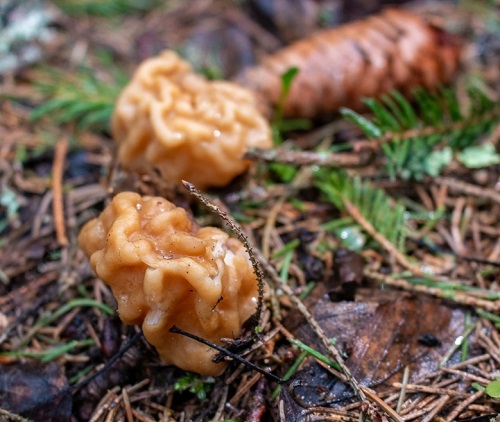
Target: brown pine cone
[366, 58]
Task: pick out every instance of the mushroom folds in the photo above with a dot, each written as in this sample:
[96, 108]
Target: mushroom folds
[186, 126]
[164, 270]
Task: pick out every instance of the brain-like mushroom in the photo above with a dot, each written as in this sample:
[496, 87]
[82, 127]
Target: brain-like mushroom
[186, 126]
[165, 270]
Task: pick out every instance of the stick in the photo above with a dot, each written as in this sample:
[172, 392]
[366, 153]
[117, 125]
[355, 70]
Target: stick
[257, 260]
[461, 298]
[226, 352]
[307, 158]
[57, 188]
[237, 230]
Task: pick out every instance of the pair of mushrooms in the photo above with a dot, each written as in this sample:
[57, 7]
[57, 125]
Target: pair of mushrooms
[163, 269]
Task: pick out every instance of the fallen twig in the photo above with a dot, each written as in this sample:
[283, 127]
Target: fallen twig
[57, 188]
[463, 405]
[468, 188]
[239, 232]
[258, 260]
[309, 158]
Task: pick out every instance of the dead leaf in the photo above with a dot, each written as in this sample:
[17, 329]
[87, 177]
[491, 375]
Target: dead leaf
[392, 339]
[28, 389]
[378, 341]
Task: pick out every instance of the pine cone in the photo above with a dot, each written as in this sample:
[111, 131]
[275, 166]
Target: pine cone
[366, 58]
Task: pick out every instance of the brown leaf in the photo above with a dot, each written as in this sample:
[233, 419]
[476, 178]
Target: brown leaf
[381, 339]
[347, 275]
[393, 338]
[28, 389]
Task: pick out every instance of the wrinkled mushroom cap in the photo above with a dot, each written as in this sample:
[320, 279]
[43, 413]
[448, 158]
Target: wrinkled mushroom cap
[186, 126]
[164, 270]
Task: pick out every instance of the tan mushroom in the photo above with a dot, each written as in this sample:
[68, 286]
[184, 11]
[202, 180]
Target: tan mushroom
[165, 270]
[186, 126]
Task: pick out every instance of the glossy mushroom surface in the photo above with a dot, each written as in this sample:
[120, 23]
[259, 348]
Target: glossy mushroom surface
[187, 127]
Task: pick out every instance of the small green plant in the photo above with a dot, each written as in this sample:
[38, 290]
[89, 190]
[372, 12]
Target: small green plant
[279, 125]
[314, 353]
[478, 156]
[10, 203]
[420, 137]
[80, 97]
[285, 172]
[291, 371]
[493, 389]
[488, 315]
[194, 384]
[379, 209]
[47, 319]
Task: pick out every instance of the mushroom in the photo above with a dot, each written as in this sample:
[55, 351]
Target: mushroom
[165, 270]
[186, 126]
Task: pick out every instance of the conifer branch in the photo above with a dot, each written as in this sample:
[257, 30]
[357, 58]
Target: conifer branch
[376, 212]
[380, 239]
[420, 137]
[79, 96]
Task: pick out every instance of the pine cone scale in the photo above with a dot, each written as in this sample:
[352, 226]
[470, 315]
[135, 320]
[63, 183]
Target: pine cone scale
[368, 58]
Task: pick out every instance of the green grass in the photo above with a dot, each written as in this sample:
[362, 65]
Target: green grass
[83, 97]
[105, 8]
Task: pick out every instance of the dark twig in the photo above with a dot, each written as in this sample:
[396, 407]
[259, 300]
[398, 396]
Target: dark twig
[236, 229]
[226, 352]
[130, 342]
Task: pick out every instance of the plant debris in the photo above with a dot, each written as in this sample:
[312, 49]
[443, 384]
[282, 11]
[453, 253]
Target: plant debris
[376, 232]
[29, 388]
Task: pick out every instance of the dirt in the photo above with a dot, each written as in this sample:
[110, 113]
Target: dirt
[400, 349]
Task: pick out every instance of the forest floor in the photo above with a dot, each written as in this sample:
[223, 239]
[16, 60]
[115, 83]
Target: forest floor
[416, 324]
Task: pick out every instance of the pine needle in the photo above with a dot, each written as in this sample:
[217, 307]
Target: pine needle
[105, 8]
[80, 96]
